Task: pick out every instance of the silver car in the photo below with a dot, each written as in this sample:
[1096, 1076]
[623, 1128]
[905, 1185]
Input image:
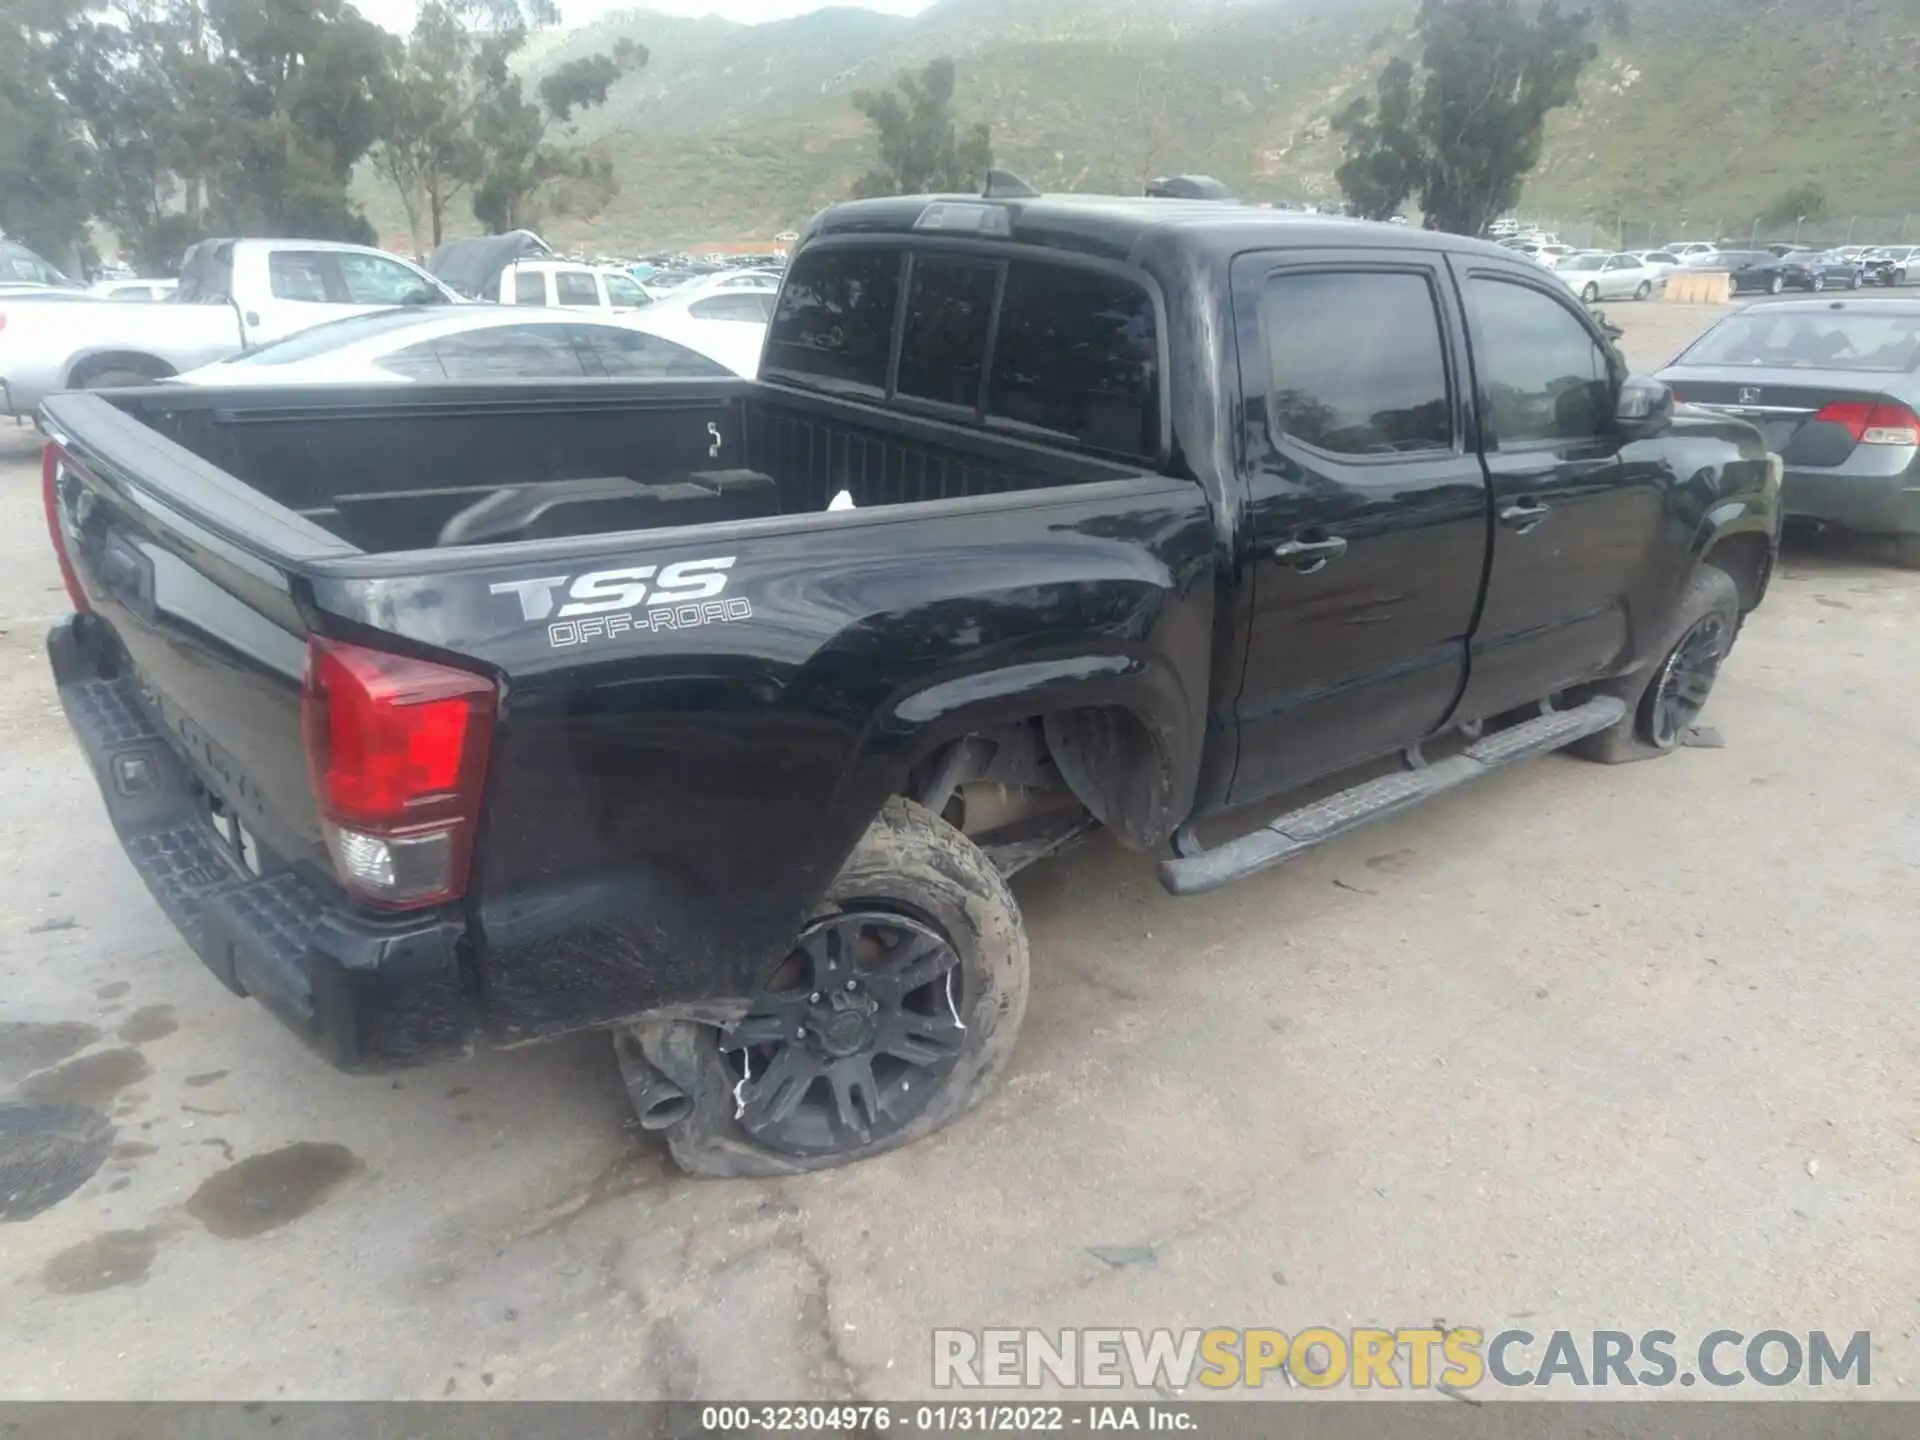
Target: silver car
[1834, 385]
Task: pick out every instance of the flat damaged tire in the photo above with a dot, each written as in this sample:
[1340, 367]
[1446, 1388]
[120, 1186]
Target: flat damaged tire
[1665, 696]
[895, 1014]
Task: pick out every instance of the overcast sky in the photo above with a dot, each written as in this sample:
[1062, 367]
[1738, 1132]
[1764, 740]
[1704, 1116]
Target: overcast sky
[398, 14]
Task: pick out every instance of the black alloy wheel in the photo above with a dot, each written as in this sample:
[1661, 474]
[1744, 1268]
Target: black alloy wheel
[1819, 284]
[854, 1036]
[1680, 688]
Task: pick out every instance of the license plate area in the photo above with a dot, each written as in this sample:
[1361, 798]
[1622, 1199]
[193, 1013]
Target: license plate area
[234, 834]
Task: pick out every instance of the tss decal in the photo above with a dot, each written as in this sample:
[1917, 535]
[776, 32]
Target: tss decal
[603, 603]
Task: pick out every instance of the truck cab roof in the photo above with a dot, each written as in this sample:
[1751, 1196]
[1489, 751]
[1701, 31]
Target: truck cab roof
[1114, 227]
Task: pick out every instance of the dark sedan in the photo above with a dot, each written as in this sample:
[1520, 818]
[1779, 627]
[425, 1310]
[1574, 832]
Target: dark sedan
[1835, 387]
[1823, 270]
[1755, 270]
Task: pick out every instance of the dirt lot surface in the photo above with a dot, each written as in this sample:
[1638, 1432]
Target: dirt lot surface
[1581, 1047]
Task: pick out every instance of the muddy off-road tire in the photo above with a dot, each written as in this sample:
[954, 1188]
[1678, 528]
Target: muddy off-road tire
[918, 945]
[1666, 696]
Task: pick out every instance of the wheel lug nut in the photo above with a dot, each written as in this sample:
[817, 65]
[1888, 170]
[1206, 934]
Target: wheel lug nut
[853, 984]
[814, 998]
[801, 1033]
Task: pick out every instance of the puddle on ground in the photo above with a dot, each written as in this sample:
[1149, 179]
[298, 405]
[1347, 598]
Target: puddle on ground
[118, 1257]
[46, 1153]
[92, 1080]
[112, 991]
[197, 1082]
[264, 1192]
[149, 1022]
[26, 1047]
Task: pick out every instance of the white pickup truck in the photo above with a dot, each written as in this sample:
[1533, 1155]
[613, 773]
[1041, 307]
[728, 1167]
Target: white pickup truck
[233, 296]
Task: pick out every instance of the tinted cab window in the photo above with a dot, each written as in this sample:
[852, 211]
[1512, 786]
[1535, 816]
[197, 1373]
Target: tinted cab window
[1355, 363]
[834, 323]
[1078, 355]
[1544, 376]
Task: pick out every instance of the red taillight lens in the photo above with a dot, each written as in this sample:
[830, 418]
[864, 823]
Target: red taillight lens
[51, 465]
[397, 752]
[1871, 424]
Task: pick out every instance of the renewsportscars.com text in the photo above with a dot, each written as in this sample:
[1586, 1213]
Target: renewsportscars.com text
[1415, 1358]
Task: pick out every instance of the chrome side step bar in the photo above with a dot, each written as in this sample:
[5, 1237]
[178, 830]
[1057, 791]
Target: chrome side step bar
[1300, 830]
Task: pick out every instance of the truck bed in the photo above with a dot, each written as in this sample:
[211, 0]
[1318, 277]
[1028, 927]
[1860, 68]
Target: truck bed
[695, 721]
[391, 470]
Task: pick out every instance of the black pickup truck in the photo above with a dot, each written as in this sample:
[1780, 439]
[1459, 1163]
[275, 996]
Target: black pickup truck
[437, 715]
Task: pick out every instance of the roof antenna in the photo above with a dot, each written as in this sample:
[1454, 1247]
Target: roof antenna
[1005, 185]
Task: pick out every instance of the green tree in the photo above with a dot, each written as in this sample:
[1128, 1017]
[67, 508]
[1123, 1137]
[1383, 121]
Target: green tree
[1805, 201]
[1462, 128]
[923, 150]
[42, 163]
[519, 154]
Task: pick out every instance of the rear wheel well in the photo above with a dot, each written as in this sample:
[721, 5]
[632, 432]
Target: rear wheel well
[1746, 558]
[89, 371]
[1008, 784]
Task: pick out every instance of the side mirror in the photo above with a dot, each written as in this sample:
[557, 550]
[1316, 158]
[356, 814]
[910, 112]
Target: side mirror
[1643, 409]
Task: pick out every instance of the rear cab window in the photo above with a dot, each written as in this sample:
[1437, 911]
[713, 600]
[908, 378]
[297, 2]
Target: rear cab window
[1064, 351]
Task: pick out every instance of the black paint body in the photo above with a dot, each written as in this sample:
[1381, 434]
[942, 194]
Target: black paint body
[664, 807]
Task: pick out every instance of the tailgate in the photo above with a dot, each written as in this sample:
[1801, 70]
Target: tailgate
[190, 572]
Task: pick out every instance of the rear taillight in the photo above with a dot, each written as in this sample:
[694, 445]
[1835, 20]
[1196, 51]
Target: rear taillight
[397, 752]
[52, 472]
[1871, 424]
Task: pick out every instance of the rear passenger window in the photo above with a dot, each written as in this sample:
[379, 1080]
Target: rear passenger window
[573, 288]
[297, 275]
[1077, 355]
[1544, 375]
[1355, 362]
[511, 352]
[530, 287]
[834, 323]
[944, 343]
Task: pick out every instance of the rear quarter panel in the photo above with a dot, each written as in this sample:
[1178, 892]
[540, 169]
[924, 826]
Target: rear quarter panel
[666, 804]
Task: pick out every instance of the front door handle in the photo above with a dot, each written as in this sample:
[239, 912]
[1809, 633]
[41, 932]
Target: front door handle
[1307, 556]
[1524, 514]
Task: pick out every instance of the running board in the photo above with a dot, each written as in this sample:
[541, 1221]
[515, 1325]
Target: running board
[1300, 830]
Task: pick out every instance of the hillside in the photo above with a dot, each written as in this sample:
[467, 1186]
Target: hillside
[1701, 116]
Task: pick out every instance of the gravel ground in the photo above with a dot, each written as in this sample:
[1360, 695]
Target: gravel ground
[1582, 1047]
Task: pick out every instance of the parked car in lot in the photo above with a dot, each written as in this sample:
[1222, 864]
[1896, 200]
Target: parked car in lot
[1834, 387]
[466, 342]
[20, 266]
[1659, 259]
[729, 325]
[1754, 270]
[1891, 264]
[1821, 270]
[233, 295]
[442, 713]
[1693, 252]
[148, 291]
[1601, 276]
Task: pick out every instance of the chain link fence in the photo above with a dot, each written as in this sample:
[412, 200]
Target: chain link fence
[1624, 232]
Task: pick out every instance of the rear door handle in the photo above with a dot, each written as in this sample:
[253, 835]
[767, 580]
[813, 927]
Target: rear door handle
[1308, 556]
[1524, 514]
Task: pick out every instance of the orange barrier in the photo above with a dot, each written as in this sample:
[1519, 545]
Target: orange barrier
[1698, 287]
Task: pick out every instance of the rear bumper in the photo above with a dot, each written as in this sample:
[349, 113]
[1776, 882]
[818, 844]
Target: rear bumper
[368, 993]
[1866, 504]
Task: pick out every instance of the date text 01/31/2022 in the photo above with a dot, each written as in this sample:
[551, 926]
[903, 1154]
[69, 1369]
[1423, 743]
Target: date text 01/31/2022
[942, 1419]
